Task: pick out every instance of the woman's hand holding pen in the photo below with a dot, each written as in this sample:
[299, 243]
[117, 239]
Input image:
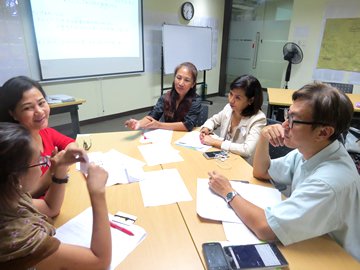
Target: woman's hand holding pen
[205, 136]
[203, 132]
[207, 139]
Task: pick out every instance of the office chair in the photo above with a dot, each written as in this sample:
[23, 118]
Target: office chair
[346, 88]
[276, 152]
[351, 142]
[203, 116]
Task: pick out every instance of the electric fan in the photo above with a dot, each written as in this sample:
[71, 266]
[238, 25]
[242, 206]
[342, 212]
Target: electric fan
[294, 55]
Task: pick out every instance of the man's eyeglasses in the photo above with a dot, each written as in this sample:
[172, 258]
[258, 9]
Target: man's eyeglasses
[288, 116]
[43, 162]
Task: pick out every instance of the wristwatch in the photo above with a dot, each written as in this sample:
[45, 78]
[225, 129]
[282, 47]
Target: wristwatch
[60, 180]
[230, 196]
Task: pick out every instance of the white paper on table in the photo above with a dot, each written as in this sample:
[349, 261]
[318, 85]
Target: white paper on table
[239, 233]
[159, 153]
[163, 187]
[78, 231]
[192, 140]
[132, 166]
[211, 206]
[121, 168]
[157, 136]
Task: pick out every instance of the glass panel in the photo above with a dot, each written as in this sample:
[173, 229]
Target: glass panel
[270, 20]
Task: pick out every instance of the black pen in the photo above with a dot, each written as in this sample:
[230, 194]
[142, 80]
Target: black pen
[242, 181]
[126, 218]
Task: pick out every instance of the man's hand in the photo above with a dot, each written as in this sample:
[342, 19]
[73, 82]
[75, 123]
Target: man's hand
[274, 134]
[219, 184]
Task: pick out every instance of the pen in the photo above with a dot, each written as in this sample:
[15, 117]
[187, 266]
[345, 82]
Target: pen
[115, 226]
[242, 181]
[126, 218]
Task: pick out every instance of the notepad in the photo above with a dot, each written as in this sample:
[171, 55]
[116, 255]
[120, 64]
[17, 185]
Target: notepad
[78, 231]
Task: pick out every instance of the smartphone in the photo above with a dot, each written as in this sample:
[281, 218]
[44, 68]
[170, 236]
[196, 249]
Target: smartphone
[214, 154]
[215, 256]
[263, 256]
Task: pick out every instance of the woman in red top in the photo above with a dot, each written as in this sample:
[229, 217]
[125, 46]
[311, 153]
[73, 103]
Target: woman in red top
[22, 100]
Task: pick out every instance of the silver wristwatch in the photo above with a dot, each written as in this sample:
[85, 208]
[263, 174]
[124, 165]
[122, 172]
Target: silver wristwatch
[230, 196]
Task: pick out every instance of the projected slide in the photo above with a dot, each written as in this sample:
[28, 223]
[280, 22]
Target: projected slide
[88, 37]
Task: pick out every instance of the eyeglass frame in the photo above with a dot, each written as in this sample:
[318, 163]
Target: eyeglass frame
[288, 117]
[87, 144]
[44, 162]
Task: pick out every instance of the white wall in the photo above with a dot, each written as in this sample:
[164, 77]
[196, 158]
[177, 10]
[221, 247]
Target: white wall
[112, 95]
[306, 29]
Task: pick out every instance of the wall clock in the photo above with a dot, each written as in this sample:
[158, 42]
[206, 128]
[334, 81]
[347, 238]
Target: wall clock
[187, 11]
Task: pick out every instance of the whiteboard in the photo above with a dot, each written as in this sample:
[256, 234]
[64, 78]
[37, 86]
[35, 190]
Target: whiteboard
[186, 44]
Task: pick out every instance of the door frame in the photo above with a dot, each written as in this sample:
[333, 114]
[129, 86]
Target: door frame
[224, 47]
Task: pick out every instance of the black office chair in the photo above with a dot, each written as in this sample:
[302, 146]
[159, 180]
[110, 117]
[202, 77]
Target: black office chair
[203, 116]
[276, 152]
[346, 88]
[352, 146]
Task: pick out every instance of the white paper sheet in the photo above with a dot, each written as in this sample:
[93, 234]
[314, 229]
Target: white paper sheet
[192, 140]
[78, 230]
[121, 168]
[163, 187]
[157, 136]
[159, 153]
[211, 206]
[239, 233]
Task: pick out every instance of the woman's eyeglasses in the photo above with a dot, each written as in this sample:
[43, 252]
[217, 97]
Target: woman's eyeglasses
[87, 144]
[43, 162]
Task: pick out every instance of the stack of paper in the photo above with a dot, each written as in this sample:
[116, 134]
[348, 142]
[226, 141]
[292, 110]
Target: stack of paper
[192, 140]
[78, 231]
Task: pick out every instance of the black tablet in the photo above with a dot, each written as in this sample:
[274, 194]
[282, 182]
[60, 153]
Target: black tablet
[257, 256]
